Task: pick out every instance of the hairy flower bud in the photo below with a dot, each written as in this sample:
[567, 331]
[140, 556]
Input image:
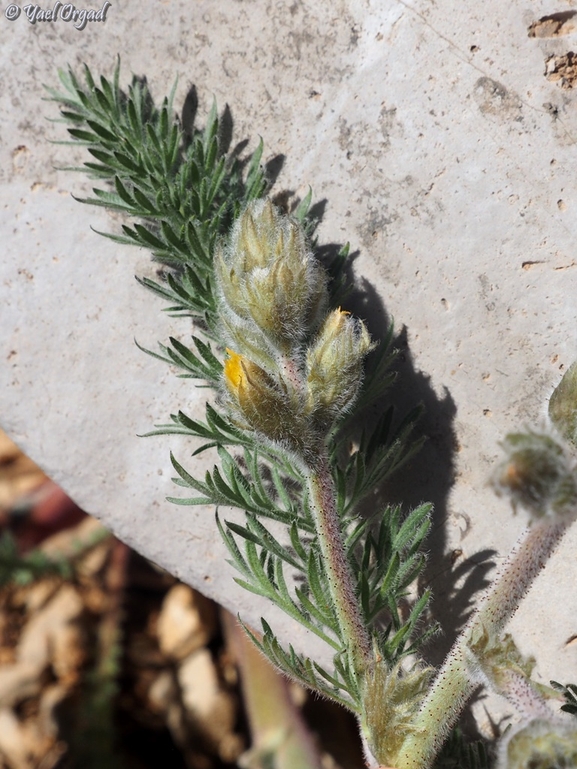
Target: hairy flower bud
[267, 277]
[335, 363]
[538, 475]
[259, 400]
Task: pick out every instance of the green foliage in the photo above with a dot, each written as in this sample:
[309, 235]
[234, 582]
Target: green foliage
[93, 738]
[380, 452]
[250, 486]
[94, 717]
[200, 365]
[457, 753]
[336, 685]
[24, 569]
[181, 186]
[387, 559]
[388, 563]
[570, 693]
[183, 191]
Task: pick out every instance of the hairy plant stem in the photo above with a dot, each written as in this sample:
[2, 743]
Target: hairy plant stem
[457, 678]
[341, 585]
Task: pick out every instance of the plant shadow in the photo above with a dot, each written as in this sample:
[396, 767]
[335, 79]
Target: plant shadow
[427, 476]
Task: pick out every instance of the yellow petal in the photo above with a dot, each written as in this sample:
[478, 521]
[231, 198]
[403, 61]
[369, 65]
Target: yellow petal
[233, 371]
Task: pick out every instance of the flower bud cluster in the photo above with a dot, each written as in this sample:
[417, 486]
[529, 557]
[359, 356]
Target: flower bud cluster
[293, 366]
[540, 744]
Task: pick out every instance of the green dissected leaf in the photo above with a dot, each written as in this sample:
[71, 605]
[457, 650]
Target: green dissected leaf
[160, 174]
[313, 610]
[457, 753]
[381, 451]
[206, 367]
[303, 208]
[229, 487]
[388, 560]
[272, 544]
[258, 580]
[82, 136]
[570, 693]
[101, 131]
[303, 669]
[414, 527]
[217, 430]
[358, 530]
[296, 542]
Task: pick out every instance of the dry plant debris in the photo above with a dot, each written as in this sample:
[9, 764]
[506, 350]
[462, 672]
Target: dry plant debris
[555, 25]
[562, 70]
[119, 665]
[120, 647]
[19, 476]
[58, 637]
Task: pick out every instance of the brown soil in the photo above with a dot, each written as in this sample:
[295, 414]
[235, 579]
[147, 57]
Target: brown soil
[113, 663]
